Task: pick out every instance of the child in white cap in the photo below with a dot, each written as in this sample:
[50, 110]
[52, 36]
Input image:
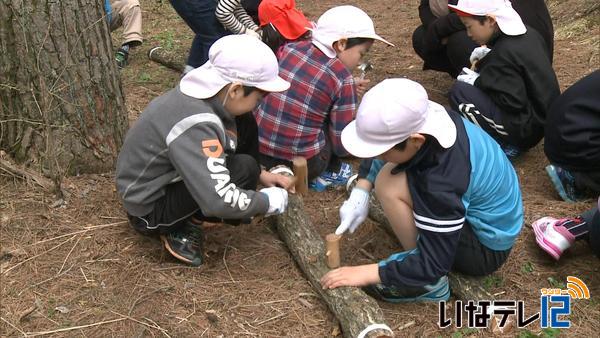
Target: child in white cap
[442, 41]
[449, 193]
[179, 165]
[307, 120]
[513, 84]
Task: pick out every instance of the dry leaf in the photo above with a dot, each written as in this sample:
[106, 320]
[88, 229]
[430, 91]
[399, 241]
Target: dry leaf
[62, 309]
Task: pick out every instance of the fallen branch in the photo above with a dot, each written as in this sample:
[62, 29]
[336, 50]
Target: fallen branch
[359, 315]
[463, 287]
[25, 174]
[43, 333]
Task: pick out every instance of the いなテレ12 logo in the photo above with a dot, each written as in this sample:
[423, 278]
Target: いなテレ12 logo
[555, 302]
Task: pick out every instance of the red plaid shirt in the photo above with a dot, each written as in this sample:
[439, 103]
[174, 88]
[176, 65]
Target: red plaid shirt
[321, 99]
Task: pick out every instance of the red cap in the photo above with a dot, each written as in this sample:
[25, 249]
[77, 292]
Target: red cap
[461, 13]
[289, 21]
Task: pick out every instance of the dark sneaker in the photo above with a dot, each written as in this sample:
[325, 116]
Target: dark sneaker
[185, 244]
[440, 291]
[121, 57]
[563, 182]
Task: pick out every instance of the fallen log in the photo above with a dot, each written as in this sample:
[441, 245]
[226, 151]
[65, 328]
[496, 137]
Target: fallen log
[166, 58]
[463, 287]
[359, 315]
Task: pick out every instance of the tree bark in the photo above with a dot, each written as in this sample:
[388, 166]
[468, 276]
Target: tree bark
[352, 307]
[61, 104]
[463, 287]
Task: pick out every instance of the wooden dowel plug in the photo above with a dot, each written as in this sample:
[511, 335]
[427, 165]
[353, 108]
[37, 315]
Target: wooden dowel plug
[332, 249]
[301, 175]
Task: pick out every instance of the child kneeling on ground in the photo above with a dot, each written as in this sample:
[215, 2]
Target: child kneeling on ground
[449, 193]
[511, 89]
[179, 166]
[572, 140]
[307, 120]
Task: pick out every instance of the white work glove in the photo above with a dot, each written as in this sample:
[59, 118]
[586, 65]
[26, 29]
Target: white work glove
[478, 54]
[468, 76]
[278, 200]
[252, 33]
[354, 211]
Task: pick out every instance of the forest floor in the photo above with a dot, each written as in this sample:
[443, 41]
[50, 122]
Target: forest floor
[75, 267]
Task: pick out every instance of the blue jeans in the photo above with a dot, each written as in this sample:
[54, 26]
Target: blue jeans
[199, 15]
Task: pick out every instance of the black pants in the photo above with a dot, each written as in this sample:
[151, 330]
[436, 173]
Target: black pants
[587, 182]
[475, 259]
[177, 205]
[325, 160]
[592, 218]
[476, 106]
[449, 58]
[247, 130]
[247, 135]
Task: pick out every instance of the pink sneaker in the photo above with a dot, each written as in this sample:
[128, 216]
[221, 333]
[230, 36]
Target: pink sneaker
[551, 236]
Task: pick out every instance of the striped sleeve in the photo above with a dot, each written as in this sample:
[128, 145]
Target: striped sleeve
[439, 215]
[431, 260]
[436, 225]
[243, 16]
[232, 16]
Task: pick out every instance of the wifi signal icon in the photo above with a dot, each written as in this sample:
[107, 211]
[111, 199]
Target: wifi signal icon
[577, 288]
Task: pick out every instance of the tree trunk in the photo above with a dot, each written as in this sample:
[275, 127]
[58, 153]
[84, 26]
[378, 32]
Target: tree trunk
[463, 287]
[61, 104]
[355, 311]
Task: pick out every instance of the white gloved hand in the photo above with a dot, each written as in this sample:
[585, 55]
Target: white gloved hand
[278, 200]
[479, 53]
[253, 33]
[354, 211]
[468, 76]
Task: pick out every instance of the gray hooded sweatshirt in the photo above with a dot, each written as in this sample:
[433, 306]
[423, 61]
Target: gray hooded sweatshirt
[178, 137]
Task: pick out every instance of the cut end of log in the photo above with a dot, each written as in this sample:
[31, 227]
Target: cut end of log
[333, 237]
[376, 331]
[152, 50]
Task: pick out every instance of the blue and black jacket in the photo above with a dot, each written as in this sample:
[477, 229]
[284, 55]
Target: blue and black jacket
[471, 182]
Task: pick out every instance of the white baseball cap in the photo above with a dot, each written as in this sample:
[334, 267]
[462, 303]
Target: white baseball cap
[389, 113]
[509, 21]
[235, 58]
[343, 22]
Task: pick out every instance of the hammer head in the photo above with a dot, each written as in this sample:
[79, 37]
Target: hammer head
[364, 68]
